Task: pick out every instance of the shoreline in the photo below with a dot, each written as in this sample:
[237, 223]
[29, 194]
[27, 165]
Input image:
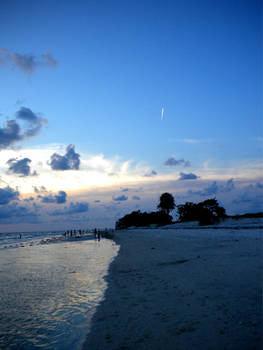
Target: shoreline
[181, 289]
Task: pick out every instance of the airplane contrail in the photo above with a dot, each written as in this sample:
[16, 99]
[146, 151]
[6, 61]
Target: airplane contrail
[162, 113]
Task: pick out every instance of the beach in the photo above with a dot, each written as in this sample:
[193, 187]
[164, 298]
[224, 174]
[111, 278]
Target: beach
[183, 288]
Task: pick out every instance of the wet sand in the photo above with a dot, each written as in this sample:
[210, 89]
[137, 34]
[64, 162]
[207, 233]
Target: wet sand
[182, 289]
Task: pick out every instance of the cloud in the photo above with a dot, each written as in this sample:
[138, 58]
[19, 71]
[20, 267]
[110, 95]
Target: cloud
[140, 189]
[120, 198]
[10, 134]
[251, 192]
[214, 188]
[59, 198]
[13, 131]
[151, 174]
[18, 214]
[7, 195]
[41, 189]
[191, 140]
[35, 122]
[125, 189]
[29, 199]
[20, 167]
[27, 63]
[250, 199]
[69, 161]
[207, 191]
[19, 102]
[73, 208]
[136, 198]
[229, 186]
[174, 162]
[189, 176]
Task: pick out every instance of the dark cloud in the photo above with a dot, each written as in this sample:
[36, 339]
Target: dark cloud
[97, 201]
[174, 162]
[59, 198]
[73, 208]
[30, 199]
[49, 60]
[189, 176]
[27, 63]
[18, 214]
[13, 131]
[26, 114]
[125, 189]
[151, 174]
[8, 194]
[120, 198]
[69, 161]
[20, 167]
[136, 198]
[10, 134]
[35, 122]
[40, 189]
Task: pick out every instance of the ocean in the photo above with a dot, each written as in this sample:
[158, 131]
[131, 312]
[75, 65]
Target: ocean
[50, 287]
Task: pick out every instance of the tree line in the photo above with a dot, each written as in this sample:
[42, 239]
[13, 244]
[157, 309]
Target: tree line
[206, 212]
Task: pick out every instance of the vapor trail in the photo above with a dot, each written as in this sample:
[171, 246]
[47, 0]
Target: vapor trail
[162, 113]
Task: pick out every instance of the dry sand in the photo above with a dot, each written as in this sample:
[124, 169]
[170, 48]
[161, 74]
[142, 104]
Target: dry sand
[182, 289]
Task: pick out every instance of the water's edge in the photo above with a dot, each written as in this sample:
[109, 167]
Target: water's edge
[91, 332]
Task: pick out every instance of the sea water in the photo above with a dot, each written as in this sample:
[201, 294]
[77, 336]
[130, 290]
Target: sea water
[50, 286]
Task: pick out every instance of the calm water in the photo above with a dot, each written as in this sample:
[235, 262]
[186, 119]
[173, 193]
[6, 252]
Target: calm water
[50, 288]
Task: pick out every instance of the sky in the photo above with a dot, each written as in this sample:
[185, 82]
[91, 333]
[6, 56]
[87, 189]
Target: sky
[105, 105]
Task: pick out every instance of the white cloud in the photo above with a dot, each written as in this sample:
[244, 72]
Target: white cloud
[94, 171]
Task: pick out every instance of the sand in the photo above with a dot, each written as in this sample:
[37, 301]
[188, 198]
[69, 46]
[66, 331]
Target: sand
[182, 288]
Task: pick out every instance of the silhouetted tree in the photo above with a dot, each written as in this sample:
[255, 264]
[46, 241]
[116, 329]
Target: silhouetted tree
[139, 219]
[206, 212]
[166, 203]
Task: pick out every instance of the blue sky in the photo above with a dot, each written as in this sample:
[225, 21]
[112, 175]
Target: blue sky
[96, 75]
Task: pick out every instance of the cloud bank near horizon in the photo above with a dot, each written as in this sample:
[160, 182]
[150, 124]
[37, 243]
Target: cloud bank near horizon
[236, 196]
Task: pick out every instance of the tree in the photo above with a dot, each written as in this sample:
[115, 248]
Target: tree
[139, 219]
[206, 212]
[166, 203]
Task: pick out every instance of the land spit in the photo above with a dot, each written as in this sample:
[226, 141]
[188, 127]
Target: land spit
[182, 288]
